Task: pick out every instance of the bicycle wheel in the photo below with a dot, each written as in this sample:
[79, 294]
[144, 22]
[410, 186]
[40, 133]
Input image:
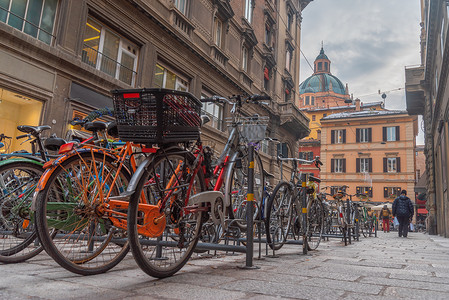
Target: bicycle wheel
[18, 237]
[73, 204]
[315, 222]
[278, 215]
[238, 188]
[163, 241]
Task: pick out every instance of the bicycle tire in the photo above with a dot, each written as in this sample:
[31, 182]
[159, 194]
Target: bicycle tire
[168, 251]
[18, 237]
[238, 189]
[278, 217]
[315, 221]
[84, 241]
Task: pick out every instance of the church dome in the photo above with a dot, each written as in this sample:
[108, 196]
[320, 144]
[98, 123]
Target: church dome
[322, 82]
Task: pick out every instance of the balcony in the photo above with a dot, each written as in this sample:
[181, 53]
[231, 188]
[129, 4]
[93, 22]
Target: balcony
[414, 90]
[181, 22]
[293, 120]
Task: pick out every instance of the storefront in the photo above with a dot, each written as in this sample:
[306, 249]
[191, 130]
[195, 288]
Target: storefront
[17, 109]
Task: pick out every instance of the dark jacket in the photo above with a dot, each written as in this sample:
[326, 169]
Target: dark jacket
[403, 207]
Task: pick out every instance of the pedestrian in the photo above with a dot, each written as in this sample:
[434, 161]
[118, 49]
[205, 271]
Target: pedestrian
[385, 214]
[403, 210]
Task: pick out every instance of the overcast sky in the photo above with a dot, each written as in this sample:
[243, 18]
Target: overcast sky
[369, 42]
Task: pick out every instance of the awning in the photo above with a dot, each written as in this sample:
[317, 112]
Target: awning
[422, 211]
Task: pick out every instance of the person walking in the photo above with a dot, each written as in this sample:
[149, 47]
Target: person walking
[385, 214]
[403, 210]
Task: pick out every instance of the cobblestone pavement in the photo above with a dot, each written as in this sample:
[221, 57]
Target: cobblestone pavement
[385, 267]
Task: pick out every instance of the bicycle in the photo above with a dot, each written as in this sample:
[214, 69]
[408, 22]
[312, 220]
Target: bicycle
[80, 224]
[164, 233]
[19, 174]
[339, 213]
[294, 209]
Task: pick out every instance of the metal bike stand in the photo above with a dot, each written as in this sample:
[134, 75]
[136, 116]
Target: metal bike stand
[249, 211]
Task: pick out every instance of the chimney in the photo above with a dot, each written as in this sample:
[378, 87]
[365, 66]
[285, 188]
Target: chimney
[357, 104]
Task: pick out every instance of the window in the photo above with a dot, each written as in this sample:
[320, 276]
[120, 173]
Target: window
[282, 149]
[364, 165]
[324, 115]
[249, 10]
[289, 20]
[181, 5]
[218, 31]
[390, 134]
[363, 135]
[307, 101]
[392, 164]
[109, 52]
[312, 100]
[338, 165]
[338, 136]
[165, 78]
[288, 58]
[266, 78]
[306, 155]
[313, 118]
[364, 191]
[268, 34]
[334, 190]
[264, 146]
[245, 59]
[391, 192]
[320, 66]
[287, 93]
[214, 111]
[33, 17]
[326, 66]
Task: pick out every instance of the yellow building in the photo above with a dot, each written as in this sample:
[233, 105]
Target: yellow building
[371, 151]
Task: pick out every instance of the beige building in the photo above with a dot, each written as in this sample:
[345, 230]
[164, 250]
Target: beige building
[372, 151]
[60, 59]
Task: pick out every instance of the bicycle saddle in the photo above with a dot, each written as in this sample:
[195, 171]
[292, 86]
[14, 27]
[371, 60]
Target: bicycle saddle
[53, 143]
[34, 130]
[112, 129]
[95, 126]
[311, 178]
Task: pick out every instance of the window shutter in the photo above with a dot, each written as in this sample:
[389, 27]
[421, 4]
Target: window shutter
[398, 191]
[370, 192]
[370, 167]
[357, 190]
[332, 136]
[398, 164]
[369, 135]
[301, 155]
[332, 165]
[397, 133]
[357, 165]
[310, 156]
[385, 192]
[344, 136]
[344, 165]
[357, 135]
[384, 134]
[385, 165]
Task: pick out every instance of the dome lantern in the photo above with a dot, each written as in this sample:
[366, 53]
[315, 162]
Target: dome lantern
[322, 63]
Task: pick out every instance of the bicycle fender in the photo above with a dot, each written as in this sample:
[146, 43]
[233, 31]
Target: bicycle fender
[227, 198]
[35, 161]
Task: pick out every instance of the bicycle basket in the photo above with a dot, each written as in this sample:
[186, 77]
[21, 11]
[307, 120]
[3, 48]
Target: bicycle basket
[254, 129]
[156, 116]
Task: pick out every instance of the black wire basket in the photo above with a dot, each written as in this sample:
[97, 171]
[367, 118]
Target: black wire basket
[156, 116]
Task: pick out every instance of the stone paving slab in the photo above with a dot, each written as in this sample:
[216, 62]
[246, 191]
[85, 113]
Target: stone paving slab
[373, 268]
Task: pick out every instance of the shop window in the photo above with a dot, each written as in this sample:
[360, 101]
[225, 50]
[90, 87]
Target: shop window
[364, 191]
[392, 192]
[168, 79]
[33, 17]
[109, 52]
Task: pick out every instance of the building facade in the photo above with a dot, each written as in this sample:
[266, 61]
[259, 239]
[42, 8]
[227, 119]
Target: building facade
[373, 152]
[60, 59]
[427, 95]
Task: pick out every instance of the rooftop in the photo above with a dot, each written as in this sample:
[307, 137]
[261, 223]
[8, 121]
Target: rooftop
[365, 113]
[365, 105]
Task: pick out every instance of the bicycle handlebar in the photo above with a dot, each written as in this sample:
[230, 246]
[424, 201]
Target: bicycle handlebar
[22, 136]
[3, 137]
